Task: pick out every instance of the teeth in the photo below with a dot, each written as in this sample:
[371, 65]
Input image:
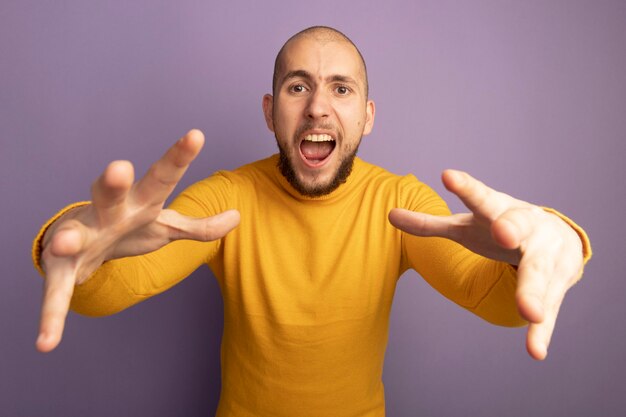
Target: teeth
[318, 138]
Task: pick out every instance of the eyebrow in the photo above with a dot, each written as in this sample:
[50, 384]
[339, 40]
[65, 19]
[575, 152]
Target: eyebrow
[307, 75]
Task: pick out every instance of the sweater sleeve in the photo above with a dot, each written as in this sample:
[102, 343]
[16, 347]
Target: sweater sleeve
[481, 285]
[121, 283]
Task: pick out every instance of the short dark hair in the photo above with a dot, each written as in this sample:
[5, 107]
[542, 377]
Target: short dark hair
[327, 33]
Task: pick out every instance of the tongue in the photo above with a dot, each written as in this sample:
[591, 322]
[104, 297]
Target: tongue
[316, 150]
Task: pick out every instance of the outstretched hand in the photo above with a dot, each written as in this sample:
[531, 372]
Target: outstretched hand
[124, 219]
[547, 251]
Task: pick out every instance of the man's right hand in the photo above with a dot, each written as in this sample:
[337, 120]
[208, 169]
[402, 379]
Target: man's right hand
[124, 219]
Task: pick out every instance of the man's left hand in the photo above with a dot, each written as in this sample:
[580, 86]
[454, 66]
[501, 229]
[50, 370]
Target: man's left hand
[547, 251]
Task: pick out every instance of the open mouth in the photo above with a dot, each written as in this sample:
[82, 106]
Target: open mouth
[316, 148]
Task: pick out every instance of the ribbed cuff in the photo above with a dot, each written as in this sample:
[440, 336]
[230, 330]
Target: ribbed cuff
[36, 250]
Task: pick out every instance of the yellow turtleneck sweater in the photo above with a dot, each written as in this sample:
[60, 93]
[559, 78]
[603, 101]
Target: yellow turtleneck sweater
[307, 285]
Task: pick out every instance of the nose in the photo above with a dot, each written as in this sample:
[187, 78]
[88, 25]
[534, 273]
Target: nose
[318, 105]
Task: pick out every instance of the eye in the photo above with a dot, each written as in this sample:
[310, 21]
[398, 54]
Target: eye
[297, 88]
[342, 90]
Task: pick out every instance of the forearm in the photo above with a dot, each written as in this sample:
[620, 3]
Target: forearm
[497, 303]
[121, 283]
[479, 285]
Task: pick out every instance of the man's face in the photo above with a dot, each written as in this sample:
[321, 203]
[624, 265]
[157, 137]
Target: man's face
[319, 112]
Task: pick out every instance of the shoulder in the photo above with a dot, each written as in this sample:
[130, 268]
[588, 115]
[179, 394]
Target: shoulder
[221, 190]
[407, 190]
[250, 174]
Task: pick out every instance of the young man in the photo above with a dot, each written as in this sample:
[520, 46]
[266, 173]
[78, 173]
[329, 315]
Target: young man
[307, 246]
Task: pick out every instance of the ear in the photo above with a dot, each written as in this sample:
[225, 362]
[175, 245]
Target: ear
[268, 111]
[370, 112]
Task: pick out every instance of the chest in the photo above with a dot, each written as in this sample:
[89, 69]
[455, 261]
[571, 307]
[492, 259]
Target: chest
[312, 263]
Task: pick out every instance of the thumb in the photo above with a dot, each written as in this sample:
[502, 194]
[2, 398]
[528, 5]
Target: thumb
[421, 224]
[202, 229]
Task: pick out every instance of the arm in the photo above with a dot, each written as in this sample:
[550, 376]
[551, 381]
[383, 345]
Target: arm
[124, 220]
[548, 250]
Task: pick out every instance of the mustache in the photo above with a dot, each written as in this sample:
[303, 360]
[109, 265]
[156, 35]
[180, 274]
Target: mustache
[314, 126]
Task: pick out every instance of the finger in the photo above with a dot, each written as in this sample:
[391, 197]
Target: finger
[165, 173]
[539, 337]
[526, 230]
[534, 273]
[58, 290]
[476, 196]
[111, 188]
[537, 349]
[505, 233]
[421, 224]
[69, 239]
[540, 334]
[202, 229]
[516, 225]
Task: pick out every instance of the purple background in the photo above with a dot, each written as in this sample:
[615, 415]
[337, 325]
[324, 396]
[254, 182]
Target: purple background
[527, 96]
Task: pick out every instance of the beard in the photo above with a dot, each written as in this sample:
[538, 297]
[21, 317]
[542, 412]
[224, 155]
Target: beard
[286, 168]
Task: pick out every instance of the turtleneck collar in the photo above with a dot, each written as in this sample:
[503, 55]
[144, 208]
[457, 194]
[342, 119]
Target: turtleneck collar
[336, 194]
